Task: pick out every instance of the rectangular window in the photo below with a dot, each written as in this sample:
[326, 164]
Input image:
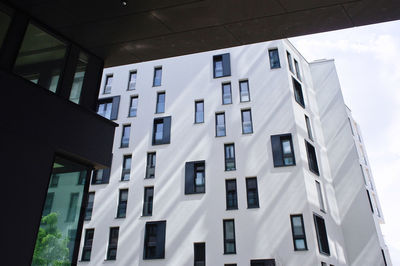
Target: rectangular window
[89, 206]
[148, 201]
[108, 84]
[113, 243]
[73, 207]
[132, 80]
[230, 163]
[320, 196]
[80, 69]
[298, 92]
[296, 65]
[199, 254]
[199, 111]
[154, 240]
[231, 194]
[312, 158]
[195, 177]
[108, 107]
[247, 124]
[244, 91]
[268, 262]
[87, 245]
[252, 193]
[226, 93]
[54, 180]
[157, 76]
[126, 168]
[308, 125]
[274, 58]
[298, 232]
[222, 65]
[289, 59]
[322, 236]
[48, 204]
[133, 106]
[151, 165]
[122, 203]
[229, 237]
[126, 131]
[220, 125]
[370, 201]
[282, 150]
[101, 176]
[160, 108]
[161, 130]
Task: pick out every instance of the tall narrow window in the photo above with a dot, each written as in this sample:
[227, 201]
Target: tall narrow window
[298, 92]
[229, 237]
[312, 158]
[54, 180]
[226, 93]
[126, 168]
[48, 204]
[132, 80]
[199, 111]
[244, 91]
[322, 236]
[154, 240]
[274, 58]
[231, 194]
[199, 254]
[290, 63]
[122, 203]
[252, 193]
[161, 130]
[87, 245]
[160, 108]
[370, 201]
[296, 65]
[108, 84]
[320, 196]
[73, 207]
[148, 201]
[113, 243]
[89, 206]
[230, 163]
[157, 76]
[247, 124]
[195, 177]
[298, 232]
[282, 150]
[133, 106]
[126, 131]
[220, 125]
[222, 65]
[308, 125]
[76, 88]
[151, 165]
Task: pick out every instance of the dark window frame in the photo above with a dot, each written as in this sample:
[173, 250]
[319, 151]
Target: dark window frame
[196, 111]
[271, 62]
[322, 237]
[230, 159]
[166, 133]
[159, 246]
[231, 194]
[114, 106]
[125, 169]
[256, 195]
[106, 85]
[122, 204]
[150, 161]
[216, 124]
[105, 176]
[290, 63]
[133, 112]
[370, 201]
[277, 150]
[157, 68]
[131, 73]
[125, 145]
[191, 170]
[298, 93]
[112, 243]
[297, 68]
[301, 237]
[251, 120]
[199, 253]
[89, 206]
[263, 262]
[230, 92]
[240, 90]
[229, 241]
[147, 209]
[225, 64]
[158, 103]
[312, 158]
[87, 244]
[309, 127]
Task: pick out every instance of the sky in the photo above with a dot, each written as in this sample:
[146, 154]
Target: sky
[368, 64]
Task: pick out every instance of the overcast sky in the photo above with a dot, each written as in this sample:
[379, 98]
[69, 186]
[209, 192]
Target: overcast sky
[368, 64]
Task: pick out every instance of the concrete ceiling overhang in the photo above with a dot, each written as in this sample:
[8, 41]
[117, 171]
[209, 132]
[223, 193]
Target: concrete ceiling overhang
[151, 29]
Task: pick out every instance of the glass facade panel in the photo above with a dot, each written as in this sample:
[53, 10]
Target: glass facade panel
[80, 70]
[41, 58]
[59, 222]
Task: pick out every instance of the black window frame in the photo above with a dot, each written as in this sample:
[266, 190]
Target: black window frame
[309, 127]
[133, 112]
[245, 81]
[148, 199]
[231, 194]
[312, 158]
[131, 73]
[196, 111]
[255, 190]
[229, 160]
[199, 253]
[89, 206]
[159, 246]
[166, 137]
[105, 176]
[106, 85]
[262, 262]
[297, 237]
[158, 68]
[112, 243]
[322, 235]
[114, 106]
[297, 68]
[290, 63]
[71, 214]
[158, 103]
[122, 204]
[125, 169]
[216, 124]
[277, 150]
[271, 62]
[226, 65]
[191, 170]
[229, 241]
[321, 200]
[123, 143]
[370, 201]
[298, 93]
[230, 93]
[251, 120]
[87, 244]
[150, 169]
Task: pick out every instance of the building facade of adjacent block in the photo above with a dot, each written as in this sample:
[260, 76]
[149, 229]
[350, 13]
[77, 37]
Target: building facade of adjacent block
[239, 156]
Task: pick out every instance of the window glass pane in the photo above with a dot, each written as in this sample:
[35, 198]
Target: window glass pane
[218, 67]
[160, 102]
[40, 58]
[286, 147]
[80, 70]
[244, 91]
[229, 233]
[220, 125]
[246, 122]
[60, 215]
[226, 93]
[274, 58]
[134, 105]
[157, 77]
[300, 244]
[132, 81]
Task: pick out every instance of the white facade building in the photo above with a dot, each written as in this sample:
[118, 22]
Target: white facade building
[301, 197]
